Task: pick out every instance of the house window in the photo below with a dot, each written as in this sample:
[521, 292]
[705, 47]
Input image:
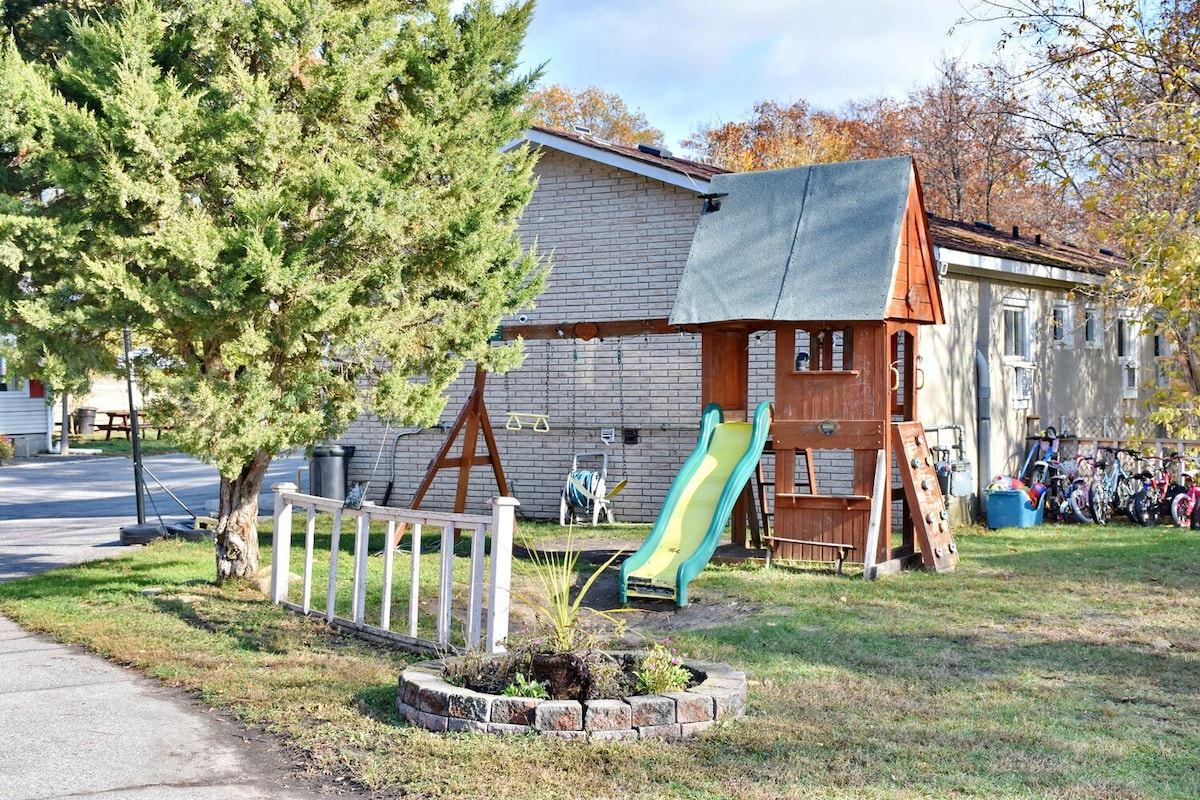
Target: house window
[1062, 325]
[1022, 396]
[1093, 327]
[1129, 380]
[1126, 338]
[1016, 332]
[9, 380]
[1164, 356]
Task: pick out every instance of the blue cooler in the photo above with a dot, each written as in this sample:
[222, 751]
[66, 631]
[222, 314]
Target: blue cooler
[1011, 508]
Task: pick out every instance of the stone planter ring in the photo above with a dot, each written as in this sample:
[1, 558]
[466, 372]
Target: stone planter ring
[427, 700]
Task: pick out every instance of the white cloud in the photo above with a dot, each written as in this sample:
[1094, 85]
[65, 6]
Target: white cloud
[687, 63]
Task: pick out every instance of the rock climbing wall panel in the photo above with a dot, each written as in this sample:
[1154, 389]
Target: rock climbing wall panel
[931, 520]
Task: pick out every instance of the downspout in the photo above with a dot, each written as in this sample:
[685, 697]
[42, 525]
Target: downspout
[983, 420]
[49, 443]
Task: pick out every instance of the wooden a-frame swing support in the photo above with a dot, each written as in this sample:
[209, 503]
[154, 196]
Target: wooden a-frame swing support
[473, 418]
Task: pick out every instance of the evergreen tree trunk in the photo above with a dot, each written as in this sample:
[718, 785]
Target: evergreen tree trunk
[236, 537]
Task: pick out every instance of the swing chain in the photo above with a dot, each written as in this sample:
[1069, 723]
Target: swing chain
[574, 389]
[621, 403]
[549, 349]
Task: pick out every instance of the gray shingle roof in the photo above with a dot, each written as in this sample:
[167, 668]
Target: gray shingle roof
[808, 243]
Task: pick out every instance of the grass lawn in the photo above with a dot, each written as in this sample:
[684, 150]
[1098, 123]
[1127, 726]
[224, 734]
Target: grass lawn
[1057, 662]
[118, 445]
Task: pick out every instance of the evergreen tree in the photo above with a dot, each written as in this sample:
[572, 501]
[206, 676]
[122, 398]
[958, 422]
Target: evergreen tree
[300, 206]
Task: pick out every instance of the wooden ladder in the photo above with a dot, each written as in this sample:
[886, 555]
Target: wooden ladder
[931, 520]
[766, 512]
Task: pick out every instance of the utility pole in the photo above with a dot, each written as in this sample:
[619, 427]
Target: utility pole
[134, 435]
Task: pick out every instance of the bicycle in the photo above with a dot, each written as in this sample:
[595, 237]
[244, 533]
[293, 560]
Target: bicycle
[1086, 484]
[1113, 487]
[1045, 470]
[1152, 499]
[1185, 505]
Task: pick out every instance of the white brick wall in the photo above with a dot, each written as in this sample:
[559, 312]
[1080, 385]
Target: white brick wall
[619, 244]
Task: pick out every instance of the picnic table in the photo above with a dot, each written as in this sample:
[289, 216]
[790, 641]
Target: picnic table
[117, 421]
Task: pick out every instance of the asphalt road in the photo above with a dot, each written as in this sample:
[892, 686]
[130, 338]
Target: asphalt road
[75, 725]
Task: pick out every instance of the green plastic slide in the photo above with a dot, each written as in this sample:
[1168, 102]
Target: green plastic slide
[697, 507]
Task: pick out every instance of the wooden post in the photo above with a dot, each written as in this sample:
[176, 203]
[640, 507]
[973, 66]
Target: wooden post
[281, 543]
[878, 501]
[470, 421]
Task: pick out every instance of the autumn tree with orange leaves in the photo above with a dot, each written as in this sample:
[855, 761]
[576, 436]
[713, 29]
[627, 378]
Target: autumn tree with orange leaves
[970, 152]
[774, 137]
[603, 113]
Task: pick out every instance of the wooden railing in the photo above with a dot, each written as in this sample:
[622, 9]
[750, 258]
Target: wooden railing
[489, 570]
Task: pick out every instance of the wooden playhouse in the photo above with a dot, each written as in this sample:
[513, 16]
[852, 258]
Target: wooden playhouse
[835, 261]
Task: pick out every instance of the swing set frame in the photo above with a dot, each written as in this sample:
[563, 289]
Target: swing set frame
[473, 419]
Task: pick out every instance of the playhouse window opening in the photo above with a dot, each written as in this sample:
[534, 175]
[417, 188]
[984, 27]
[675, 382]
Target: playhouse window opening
[824, 349]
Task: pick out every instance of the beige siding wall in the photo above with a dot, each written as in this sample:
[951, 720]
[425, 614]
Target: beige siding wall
[1073, 384]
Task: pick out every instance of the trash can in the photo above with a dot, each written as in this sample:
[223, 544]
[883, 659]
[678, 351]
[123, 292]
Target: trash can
[329, 471]
[85, 421]
[1013, 508]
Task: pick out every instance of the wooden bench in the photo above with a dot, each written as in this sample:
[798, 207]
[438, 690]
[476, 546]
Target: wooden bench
[843, 549]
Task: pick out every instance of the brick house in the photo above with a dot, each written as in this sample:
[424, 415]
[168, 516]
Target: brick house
[610, 377]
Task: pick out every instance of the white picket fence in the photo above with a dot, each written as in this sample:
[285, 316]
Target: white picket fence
[485, 612]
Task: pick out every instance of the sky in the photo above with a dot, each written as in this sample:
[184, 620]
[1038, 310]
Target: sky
[686, 63]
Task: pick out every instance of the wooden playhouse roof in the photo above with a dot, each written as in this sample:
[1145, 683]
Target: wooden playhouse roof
[837, 242]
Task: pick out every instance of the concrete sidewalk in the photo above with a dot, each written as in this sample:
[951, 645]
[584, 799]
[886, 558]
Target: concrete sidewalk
[76, 726]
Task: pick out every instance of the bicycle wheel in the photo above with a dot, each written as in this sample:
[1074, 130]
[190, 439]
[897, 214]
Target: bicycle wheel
[1100, 503]
[1145, 510]
[1054, 508]
[1080, 503]
[1127, 487]
[1181, 510]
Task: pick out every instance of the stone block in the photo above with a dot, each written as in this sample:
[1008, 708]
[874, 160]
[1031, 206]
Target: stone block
[607, 715]
[408, 712]
[513, 710]
[570, 735]
[694, 728]
[659, 732]
[692, 707]
[413, 679]
[559, 715]
[500, 729]
[455, 725]
[408, 692]
[626, 735]
[434, 700]
[465, 704]
[651, 710]
[730, 702]
[432, 722]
